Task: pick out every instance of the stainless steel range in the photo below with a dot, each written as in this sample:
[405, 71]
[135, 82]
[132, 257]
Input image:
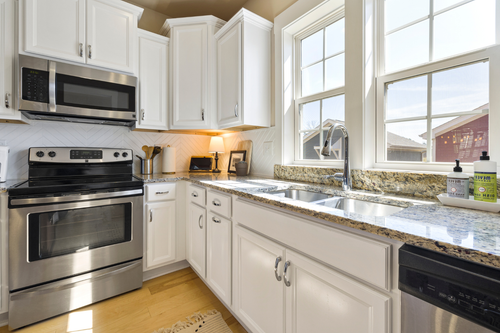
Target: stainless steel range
[75, 232]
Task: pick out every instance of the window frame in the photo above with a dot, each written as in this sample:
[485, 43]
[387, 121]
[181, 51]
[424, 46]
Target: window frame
[490, 54]
[297, 79]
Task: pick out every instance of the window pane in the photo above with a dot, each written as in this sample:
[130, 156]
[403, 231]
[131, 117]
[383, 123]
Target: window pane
[407, 47]
[462, 138]
[468, 27]
[335, 74]
[310, 114]
[333, 110]
[401, 12]
[311, 146]
[404, 141]
[312, 79]
[407, 98]
[461, 89]
[312, 48]
[442, 4]
[334, 38]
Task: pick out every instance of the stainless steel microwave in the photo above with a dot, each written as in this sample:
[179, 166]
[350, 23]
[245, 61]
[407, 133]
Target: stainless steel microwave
[50, 90]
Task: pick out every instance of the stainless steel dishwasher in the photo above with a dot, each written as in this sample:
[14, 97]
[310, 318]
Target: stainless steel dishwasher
[445, 294]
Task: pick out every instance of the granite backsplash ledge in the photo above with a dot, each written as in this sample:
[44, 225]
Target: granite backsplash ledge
[418, 184]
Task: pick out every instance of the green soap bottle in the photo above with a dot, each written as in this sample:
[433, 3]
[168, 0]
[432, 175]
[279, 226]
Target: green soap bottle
[485, 179]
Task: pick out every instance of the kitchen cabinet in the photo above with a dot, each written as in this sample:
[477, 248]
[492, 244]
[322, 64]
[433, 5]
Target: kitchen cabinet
[153, 78]
[160, 225]
[244, 72]
[301, 295]
[196, 238]
[8, 112]
[192, 69]
[4, 254]
[101, 33]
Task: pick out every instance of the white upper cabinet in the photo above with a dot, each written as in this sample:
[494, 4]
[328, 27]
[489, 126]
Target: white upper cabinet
[192, 68]
[244, 72]
[153, 74]
[8, 112]
[101, 33]
[55, 28]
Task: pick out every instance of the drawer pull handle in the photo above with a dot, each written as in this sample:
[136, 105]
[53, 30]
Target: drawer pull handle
[287, 282]
[151, 216]
[165, 192]
[217, 203]
[194, 194]
[199, 222]
[215, 220]
[278, 277]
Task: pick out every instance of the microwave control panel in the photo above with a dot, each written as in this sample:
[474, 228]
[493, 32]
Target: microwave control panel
[35, 85]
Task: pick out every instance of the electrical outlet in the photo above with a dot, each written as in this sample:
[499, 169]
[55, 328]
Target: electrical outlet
[268, 148]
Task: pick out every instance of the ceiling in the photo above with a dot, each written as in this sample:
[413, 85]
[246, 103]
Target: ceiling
[223, 9]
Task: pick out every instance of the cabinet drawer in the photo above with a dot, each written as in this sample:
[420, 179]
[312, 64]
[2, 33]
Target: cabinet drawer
[197, 194]
[219, 203]
[363, 257]
[160, 192]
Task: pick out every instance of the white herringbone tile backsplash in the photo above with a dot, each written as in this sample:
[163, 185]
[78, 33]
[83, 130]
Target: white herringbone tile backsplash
[45, 134]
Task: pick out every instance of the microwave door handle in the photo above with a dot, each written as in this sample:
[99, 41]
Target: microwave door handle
[52, 86]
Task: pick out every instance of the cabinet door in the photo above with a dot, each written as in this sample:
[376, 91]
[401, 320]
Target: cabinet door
[55, 28]
[7, 109]
[258, 295]
[160, 221]
[229, 80]
[111, 36]
[219, 256]
[152, 84]
[320, 299]
[196, 238]
[189, 77]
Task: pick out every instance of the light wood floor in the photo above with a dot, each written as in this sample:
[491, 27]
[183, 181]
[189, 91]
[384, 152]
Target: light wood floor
[160, 302]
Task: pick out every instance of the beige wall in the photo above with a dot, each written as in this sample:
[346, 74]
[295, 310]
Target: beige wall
[268, 9]
[151, 20]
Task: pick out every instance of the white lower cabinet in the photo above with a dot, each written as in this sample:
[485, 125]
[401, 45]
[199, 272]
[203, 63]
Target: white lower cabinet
[196, 238]
[278, 290]
[160, 223]
[219, 256]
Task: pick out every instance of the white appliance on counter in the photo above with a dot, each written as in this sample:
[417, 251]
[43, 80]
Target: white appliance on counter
[4, 158]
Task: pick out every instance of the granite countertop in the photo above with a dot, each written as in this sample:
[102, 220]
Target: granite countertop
[465, 233]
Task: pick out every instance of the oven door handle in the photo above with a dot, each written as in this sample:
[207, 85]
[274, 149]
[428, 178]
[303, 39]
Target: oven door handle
[76, 281]
[52, 86]
[71, 198]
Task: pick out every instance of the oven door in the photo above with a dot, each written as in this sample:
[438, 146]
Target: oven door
[50, 241]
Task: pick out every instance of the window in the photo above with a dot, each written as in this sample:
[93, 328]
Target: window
[434, 80]
[320, 76]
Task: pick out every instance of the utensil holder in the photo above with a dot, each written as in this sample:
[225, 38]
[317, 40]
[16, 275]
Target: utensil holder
[146, 167]
[241, 168]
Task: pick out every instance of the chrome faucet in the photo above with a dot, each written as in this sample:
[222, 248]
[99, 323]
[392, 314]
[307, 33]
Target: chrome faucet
[346, 176]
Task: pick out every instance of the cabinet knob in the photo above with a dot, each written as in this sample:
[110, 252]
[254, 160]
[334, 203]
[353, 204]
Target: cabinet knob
[90, 51]
[151, 215]
[199, 222]
[287, 282]
[143, 113]
[216, 203]
[276, 263]
[216, 220]
[194, 194]
[236, 110]
[7, 100]
[80, 50]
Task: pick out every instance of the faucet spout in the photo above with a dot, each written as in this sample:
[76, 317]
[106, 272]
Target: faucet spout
[346, 176]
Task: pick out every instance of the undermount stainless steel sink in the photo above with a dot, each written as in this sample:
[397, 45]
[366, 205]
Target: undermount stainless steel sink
[302, 195]
[360, 206]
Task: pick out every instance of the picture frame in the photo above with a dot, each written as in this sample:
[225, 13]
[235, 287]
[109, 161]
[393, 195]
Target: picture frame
[235, 157]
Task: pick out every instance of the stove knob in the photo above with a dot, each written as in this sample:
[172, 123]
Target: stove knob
[40, 153]
[52, 153]
[117, 154]
[125, 154]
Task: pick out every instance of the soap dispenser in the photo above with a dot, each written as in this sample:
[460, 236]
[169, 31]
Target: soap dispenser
[485, 179]
[458, 183]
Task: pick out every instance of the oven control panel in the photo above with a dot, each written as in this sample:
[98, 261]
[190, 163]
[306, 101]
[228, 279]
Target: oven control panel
[79, 155]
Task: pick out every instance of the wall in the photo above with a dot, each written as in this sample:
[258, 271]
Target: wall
[45, 133]
[268, 9]
[150, 20]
